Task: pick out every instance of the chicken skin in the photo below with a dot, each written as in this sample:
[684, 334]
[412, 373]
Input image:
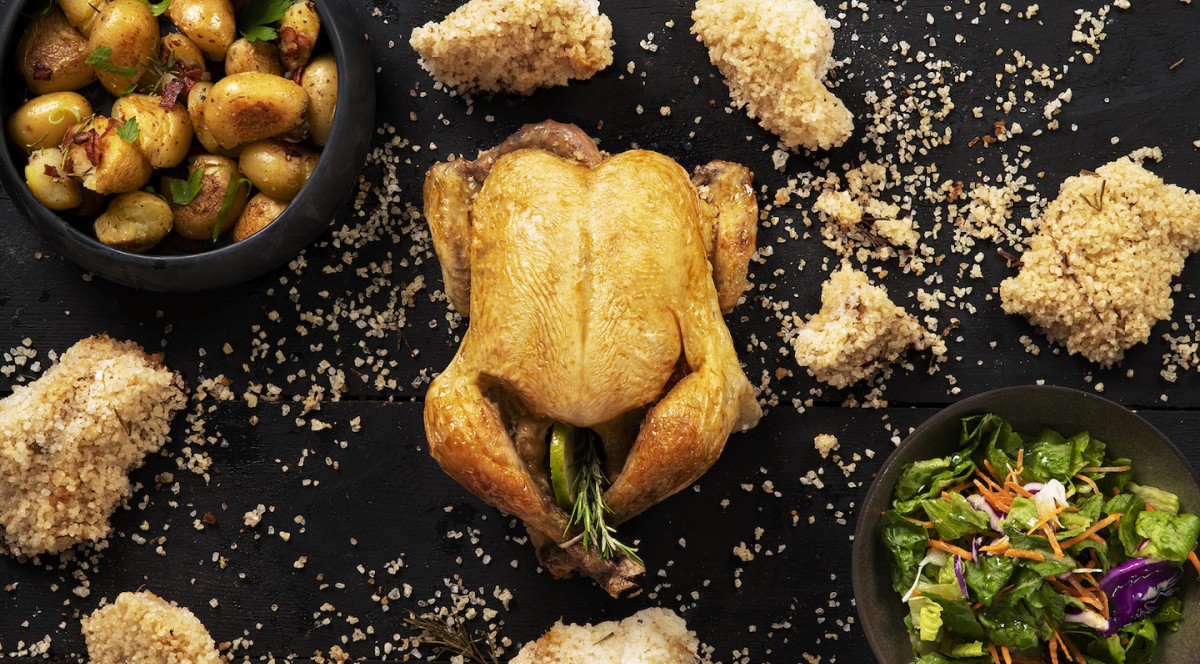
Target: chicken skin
[595, 287]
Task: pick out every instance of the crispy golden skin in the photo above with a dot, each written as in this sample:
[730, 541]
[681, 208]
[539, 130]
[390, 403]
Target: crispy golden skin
[589, 281]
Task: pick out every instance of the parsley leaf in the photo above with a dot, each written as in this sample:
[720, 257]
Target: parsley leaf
[158, 8]
[100, 59]
[184, 191]
[258, 16]
[128, 130]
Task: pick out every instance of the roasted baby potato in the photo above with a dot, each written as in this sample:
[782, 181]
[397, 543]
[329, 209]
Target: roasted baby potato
[298, 32]
[259, 213]
[51, 55]
[320, 82]
[183, 52]
[208, 23]
[130, 31]
[278, 169]
[249, 107]
[164, 134]
[42, 121]
[134, 222]
[82, 14]
[47, 182]
[201, 218]
[260, 56]
[108, 164]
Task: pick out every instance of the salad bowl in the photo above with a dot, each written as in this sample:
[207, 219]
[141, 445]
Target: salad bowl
[1029, 409]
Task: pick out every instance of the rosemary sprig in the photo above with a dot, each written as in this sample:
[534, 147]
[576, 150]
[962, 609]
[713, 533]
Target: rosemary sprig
[449, 635]
[590, 510]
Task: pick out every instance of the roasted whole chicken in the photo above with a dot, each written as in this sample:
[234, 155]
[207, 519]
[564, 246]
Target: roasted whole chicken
[595, 287]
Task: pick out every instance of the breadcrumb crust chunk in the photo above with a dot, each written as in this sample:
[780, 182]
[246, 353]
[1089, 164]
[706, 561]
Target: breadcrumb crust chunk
[653, 635]
[143, 628]
[516, 47]
[1097, 275]
[774, 55]
[68, 440]
[858, 331]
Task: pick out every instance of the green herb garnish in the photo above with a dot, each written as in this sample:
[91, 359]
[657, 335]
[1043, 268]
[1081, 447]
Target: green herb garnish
[158, 8]
[184, 192]
[257, 18]
[227, 203]
[101, 59]
[129, 131]
[590, 511]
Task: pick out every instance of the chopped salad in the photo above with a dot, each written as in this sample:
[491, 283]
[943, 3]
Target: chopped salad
[1035, 549]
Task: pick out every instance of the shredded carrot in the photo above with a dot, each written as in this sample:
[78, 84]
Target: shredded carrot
[1005, 653]
[1106, 469]
[1151, 508]
[950, 548]
[987, 479]
[1103, 600]
[1068, 645]
[1102, 523]
[1090, 579]
[1020, 460]
[1087, 480]
[1195, 562]
[1046, 518]
[1017, 489]
[999, 504]
[992, 650]
[1024, 553]
[945, 496]
[1097, 539]
[1054, 650]
[988, 464]
[1058, 552]
[958, 487]
[1066, 653]
[923, 524]
[915, 593]
[998, 547]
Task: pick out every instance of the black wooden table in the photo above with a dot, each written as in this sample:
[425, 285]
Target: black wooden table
[336, 351]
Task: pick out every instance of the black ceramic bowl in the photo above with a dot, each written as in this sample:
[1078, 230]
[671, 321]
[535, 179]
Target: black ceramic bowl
[1030, 409]
[333, 181]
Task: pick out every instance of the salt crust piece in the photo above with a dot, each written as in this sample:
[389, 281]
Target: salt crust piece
[857, 332]
[1097, 275]
[68, 440]
[774, 55]
[654, 635]
[516, 47]
[143, 628]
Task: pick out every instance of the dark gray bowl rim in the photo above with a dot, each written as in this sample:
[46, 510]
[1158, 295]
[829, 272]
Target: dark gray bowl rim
[968, 406]
[308, 215]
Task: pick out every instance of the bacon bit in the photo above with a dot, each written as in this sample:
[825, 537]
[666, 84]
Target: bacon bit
[1106, 469]
[173, 89]
[1025, 553]
[1087, 480]
[298, 75]
[1058, 552]
[992, 651]
[1045, 520]
[52, 171]
[1102, 523]
[42, 71]
[90, 141]
[950, 548]
[1195, 562]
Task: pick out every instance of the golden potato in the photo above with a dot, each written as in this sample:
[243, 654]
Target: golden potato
[259, 213]
[130, 31]
[260, 56]
[298, 32]
[134, 222]
[186, 55]
[249, 107]
[82, 14]
[278, 169]
[320, 82]
[108, 164]
[42, 121]
[48, 183]
[201, 217]
[208, 23]
[164, 134]
[51, 55]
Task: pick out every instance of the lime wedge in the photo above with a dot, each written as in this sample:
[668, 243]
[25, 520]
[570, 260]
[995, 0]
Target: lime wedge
[562, 464]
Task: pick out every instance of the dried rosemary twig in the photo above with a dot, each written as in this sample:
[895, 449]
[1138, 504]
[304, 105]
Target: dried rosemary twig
[449, 634]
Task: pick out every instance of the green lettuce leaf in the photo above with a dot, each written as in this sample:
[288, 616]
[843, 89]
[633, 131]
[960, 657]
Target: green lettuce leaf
[1172, 537]
[907, 542]
[1130, 506]
[988, 576]
[954, 518]
[1163, 501]
[1048, 458]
